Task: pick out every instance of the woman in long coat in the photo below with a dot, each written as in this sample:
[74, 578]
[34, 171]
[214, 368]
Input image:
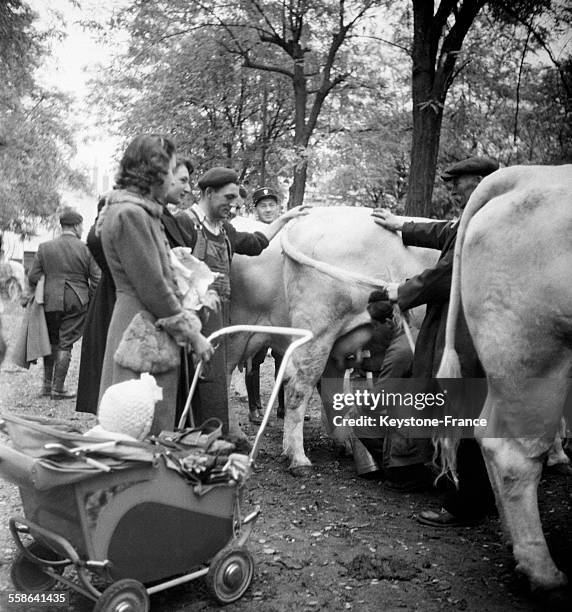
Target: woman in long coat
[95, 330]
[137, 253]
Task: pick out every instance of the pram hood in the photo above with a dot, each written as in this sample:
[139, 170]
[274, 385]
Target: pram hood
[47, 456]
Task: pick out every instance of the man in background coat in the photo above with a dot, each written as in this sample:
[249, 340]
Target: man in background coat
[71, 277]
[473, 499]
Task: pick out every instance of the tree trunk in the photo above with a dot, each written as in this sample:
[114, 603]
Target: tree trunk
[424, 152]
[301, 137]
[298, 187]
[434, 59]
[264, 136]
[426, 114]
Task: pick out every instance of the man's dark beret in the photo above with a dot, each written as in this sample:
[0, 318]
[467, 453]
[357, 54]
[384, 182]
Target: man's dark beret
[263, 193]
[473, 166]
[218, 177]
[70, 217]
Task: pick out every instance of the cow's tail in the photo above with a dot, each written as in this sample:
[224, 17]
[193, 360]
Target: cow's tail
[489, 188]
[450, 367]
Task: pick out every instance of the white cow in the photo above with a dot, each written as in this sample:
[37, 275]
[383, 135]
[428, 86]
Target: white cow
[513, 261]
[334, 257]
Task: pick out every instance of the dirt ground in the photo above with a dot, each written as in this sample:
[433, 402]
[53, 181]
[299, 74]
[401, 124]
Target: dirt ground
[332, 541]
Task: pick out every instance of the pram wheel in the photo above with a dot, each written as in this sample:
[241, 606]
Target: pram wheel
[126, 595]
[230, 574]
[29, 576]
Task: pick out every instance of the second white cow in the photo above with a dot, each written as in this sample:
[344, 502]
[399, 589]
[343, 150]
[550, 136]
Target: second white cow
[318, 276]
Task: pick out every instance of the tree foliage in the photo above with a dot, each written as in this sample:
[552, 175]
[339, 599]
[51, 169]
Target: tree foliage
[287, 59]
[35, 136]
[439, 34]
[365, 99]
[219, 114]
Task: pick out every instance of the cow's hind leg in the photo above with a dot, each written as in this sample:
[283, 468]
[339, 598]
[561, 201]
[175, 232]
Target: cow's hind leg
[309, 362]
[297, 399]
[515, 466]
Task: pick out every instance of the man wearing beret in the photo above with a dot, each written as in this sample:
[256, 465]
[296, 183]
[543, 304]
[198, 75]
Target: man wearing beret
[71, 276]
[216, 242]
[473, 499]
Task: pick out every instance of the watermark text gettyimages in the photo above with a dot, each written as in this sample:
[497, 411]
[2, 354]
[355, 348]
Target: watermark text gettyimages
[422, 408]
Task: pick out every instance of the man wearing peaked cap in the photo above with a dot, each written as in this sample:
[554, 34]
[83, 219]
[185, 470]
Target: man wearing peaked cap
[474, 498]
[216, 242]
[263, 193]
[266, 203]
[71, 276]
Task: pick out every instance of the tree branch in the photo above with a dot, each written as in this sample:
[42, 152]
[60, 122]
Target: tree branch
[248, 63]
[542, 43]
[383, 40]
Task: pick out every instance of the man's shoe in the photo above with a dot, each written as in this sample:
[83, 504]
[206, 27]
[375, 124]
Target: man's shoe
[46, 390]
[255, 416]
[62, 395]
[444, 519]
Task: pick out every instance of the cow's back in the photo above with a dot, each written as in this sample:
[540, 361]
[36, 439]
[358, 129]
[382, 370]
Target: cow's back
[347, 238]
[516, 263]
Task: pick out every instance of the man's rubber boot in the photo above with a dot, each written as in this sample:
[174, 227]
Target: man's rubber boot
[252, 382]
[62, 363]
[48, 374]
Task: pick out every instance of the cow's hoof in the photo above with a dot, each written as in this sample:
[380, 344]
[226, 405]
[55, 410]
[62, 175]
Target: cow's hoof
[549, 585]
[556, 600]
[301, 471]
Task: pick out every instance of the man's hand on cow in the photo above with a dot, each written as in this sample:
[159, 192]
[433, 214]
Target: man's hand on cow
[385, 218]
[392, 291]
[273, 228]
[293, 213]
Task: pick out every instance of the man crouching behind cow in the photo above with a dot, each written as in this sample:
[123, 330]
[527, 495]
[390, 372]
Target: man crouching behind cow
[473, 499]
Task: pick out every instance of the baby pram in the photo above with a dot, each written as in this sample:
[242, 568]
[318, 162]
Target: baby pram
[127, 516]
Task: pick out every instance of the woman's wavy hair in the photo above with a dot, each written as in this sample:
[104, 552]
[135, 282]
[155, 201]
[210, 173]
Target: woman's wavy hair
[145, 162]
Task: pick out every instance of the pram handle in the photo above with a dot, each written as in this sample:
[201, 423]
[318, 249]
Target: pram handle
[303, 336]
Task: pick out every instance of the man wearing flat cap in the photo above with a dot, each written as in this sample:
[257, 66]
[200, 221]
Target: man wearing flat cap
[473, 499]
[71, 276]
[216, 240]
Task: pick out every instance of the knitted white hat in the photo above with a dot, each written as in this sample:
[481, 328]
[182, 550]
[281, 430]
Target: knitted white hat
[128, 407]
